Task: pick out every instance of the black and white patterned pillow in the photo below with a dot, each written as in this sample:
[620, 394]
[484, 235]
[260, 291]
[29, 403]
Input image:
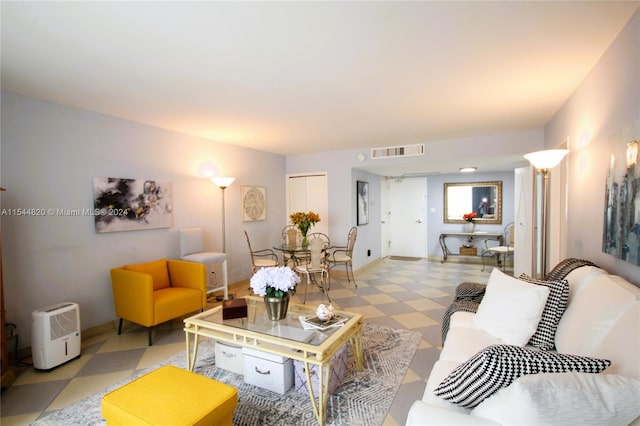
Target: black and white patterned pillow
[497, 366]
[555, 306]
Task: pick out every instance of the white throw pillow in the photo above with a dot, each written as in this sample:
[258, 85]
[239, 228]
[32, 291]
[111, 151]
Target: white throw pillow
[564, 399]
[511, 309]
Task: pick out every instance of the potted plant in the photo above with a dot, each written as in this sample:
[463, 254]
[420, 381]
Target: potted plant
[276, 284]
[468, 217]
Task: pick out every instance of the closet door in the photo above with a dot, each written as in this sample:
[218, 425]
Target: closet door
[309, 193]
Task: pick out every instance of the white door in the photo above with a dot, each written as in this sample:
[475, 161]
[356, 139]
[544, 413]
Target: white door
[523, 222]
[309, 193]
[385, 235]
[407, 218]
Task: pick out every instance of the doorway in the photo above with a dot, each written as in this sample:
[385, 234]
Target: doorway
[404, 229]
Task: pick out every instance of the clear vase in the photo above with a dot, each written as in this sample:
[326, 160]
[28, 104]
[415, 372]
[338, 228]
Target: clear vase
[277, 307]
[305, 241]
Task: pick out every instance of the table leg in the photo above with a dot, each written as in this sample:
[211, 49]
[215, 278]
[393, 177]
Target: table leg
[319, 406]
[445, 250]
[357, 346]
[192, 356]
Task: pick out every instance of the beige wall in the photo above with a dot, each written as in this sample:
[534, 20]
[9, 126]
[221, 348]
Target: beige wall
[50, 154]
[600, 118]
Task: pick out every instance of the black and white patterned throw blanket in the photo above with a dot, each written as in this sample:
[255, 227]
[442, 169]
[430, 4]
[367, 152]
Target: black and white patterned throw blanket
[469, 295]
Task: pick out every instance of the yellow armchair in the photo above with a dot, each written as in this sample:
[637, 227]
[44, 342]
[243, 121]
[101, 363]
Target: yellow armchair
[151, 293]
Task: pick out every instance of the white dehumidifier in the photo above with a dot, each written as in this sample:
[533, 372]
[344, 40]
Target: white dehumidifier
[55, 335]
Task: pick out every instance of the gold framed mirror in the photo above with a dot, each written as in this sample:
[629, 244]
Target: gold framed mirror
[482, 198]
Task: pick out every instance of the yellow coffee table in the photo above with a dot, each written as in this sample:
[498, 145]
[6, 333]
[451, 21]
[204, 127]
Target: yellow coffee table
[285, 338]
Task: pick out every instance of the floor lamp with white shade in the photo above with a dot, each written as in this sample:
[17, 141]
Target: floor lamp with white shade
[223, 183]
[543, 161]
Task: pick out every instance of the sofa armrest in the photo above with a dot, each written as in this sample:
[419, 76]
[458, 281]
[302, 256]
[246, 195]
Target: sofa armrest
[133, 296]
[422, 414]
[188, 275]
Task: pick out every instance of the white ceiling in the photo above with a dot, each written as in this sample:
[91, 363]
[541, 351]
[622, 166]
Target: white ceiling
[294, 77]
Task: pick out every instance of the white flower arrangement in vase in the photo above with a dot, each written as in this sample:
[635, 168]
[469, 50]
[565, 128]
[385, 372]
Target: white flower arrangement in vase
[276, 281]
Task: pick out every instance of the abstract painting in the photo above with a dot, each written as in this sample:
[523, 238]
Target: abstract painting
[363, 202]
[621, 235]
[131, 204]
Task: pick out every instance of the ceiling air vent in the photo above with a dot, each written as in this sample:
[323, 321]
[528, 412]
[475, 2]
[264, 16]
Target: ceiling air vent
[397, 151]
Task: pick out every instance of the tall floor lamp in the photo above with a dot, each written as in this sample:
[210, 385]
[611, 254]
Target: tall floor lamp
[223, 183]
[543, 161]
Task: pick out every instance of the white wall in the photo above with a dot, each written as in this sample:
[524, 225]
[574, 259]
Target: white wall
[50, 154]
[344, 169]
[602, 115]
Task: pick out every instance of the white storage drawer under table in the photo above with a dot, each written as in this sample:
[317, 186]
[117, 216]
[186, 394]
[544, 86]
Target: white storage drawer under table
[268, 371]
[229, 358]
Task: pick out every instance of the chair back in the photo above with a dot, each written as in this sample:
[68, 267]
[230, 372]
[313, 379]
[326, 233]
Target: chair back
[191, 241]
[509, 235]
[319, 235]
[249, 244]
[316, 246]
[287, 234]
[353, 233]
[292, 237]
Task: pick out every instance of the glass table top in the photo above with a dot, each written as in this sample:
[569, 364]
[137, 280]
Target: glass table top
[290, 328]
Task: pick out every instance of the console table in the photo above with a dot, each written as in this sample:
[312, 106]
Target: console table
[469, 236]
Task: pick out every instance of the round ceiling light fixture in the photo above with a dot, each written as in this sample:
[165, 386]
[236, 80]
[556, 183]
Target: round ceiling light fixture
[468, 169]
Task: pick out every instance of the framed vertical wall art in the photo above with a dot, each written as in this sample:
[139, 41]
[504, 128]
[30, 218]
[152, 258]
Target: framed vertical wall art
[362, 189]
[254, 203]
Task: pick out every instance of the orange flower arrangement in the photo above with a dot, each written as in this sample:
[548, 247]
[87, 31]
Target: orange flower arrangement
[304, 221]
[470, 216]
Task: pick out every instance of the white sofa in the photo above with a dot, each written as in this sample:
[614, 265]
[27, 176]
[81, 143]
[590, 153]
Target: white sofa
[602, 320]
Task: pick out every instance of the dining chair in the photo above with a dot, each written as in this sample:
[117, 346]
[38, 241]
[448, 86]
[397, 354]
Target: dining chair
[315, 267]
[287, 232]
[501, 252]
[343, 255]
[264, 258]
[324, 237]
[192, 250]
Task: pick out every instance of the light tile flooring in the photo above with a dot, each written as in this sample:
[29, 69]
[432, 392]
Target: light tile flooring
[395, 293]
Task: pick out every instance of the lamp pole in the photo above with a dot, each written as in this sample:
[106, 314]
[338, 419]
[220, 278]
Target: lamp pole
[223, 183]
[543, 161]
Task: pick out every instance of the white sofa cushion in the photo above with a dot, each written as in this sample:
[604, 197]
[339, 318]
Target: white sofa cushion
[623, 335]
[579, 278]
[566, 399]
[498, 366]
[591, 315]
[421, 414]
[464, 342]
[511, 309]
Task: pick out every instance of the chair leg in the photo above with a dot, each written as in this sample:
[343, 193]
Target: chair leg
[325, 288]
[120, 327]
[306, 287]
[350, 268]
[150, 343]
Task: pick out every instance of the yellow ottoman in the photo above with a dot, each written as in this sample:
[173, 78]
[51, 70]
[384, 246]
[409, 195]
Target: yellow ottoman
[171, 396]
